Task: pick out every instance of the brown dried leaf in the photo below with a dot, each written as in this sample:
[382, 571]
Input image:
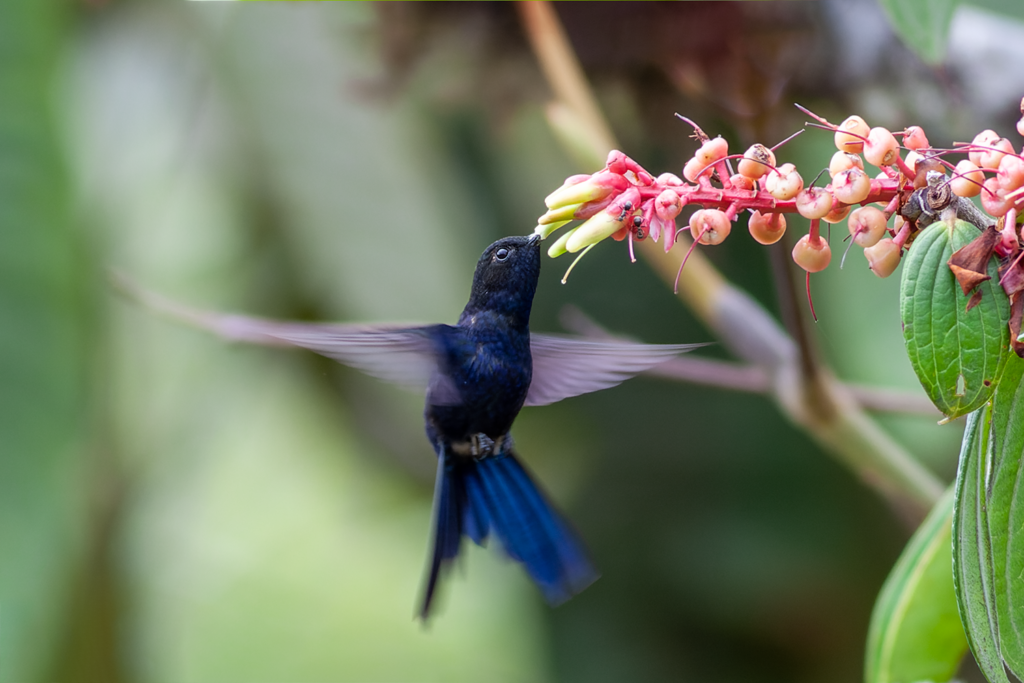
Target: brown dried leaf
[1016, 313]
[974, 300]
[970, 264]
[1011, 277]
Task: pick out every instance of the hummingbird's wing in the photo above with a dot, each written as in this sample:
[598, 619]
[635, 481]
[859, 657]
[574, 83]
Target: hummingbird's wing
[568, 366]
[408, 355]
[403, 354]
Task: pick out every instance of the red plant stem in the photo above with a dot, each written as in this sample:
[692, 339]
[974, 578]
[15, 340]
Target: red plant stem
[723, 174]
[892, 207]
[810, 303]
[901, 238]
[693, 245]
[902, 165]
[815, 236]
[731, 212]
[709, 196]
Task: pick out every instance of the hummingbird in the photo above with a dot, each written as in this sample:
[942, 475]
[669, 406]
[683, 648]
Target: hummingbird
[478, 374]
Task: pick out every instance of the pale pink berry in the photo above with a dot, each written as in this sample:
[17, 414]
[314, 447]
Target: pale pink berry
[990, 158]
[979, 145]
[914, 138]
[766, 228]
[993, 198]
[967, 179]
[694, 169]
[1011, 172]
[756, 162]
[741, 182]
[711, 151]
[911, 160]
[844, 161]
[851, 143]
[784, 182]
[710, 226]
[812, 255]
[838, 213]
[883, 257]
[881, 149]
[867, 225]
[851, 186]
[667, 205]
[814, 202]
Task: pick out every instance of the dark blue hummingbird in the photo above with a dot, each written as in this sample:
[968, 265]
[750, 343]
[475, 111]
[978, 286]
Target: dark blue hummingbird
[478, 374]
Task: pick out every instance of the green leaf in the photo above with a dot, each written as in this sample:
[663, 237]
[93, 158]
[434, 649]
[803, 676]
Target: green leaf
[1011, 9]
[43, 326]
[922, 24]
[915, 631]
[1005, 494]
[972, 550]
[957, 354]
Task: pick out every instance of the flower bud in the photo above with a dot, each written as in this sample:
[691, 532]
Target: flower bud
[867, 225]
[883, 257]
[545, 230]
[852, 186]
[711, 151]
[741, 182]
[695, 168]
[558, 248]
[993, 198]
[668, 205]
[967, 179]
[851, 143]
[844, 161]
[784, 182]
[881, 149]
[766, 228]
[756, 161]
[979, 145]
[812, 255]
[599, 185]
[814, 202]
[837, 214]
[914, 138]
[710, 226]
[606, 223]
[562, 213]
[1011, 172]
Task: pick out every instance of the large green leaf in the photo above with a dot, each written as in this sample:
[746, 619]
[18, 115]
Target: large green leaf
[915, 631]
[1006, 513]
[972, 550]
[922, 24]
[42, 326]
[956, 353]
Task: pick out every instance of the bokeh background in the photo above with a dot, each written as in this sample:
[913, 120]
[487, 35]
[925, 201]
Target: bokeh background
[174, 508]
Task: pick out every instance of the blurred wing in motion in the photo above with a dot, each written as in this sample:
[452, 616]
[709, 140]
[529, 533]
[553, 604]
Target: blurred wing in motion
[567, 366]
[404, 355]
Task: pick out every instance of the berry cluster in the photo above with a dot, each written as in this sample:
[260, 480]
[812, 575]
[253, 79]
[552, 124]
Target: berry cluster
[625, 202]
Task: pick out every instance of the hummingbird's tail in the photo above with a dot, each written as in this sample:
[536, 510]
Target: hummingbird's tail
[496, 494]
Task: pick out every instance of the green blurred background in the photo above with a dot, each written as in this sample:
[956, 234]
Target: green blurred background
[173, 508]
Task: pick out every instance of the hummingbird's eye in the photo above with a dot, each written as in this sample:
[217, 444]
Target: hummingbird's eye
[502, 254]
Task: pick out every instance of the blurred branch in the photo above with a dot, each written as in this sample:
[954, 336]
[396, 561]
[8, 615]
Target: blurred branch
[807, 392]
[752, 378]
